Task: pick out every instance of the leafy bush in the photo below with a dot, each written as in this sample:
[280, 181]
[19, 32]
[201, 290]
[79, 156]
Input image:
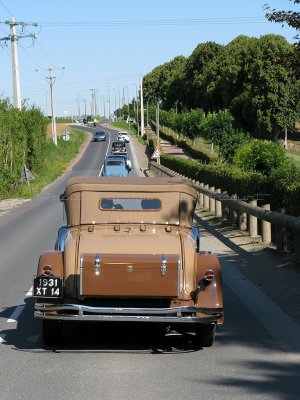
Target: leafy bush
[261, 156]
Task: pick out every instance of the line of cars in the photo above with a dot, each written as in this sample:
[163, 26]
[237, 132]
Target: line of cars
[117, 163]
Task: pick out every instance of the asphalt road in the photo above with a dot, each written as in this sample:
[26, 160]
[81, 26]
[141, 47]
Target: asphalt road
[255, 355]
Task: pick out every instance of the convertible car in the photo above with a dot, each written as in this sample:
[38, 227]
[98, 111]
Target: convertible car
[156, 273]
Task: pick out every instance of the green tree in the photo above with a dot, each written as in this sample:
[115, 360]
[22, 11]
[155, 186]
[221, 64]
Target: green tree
[161, 82]
[273, 94]
[217, 128]
[198, 66]
[292, 18]
[234, 78]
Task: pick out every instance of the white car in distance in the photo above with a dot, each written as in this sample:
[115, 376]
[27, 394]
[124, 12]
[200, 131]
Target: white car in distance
[123, 136]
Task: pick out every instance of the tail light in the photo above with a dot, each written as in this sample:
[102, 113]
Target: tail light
[209, 275]
[47, 270]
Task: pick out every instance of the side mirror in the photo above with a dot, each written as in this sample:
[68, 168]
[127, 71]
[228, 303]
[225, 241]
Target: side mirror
[62, 197]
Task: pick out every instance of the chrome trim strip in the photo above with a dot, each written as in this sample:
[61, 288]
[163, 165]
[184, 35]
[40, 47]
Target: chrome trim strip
[81, 268]
[163, 268]
[88, 313]
[178, 269]
[97, 265]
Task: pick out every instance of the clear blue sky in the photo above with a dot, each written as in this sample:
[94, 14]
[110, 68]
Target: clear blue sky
[108, 45]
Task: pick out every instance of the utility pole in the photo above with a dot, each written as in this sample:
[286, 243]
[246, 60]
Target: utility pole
[78, 106]
[128, 109]
[108, 103]
[93, 102]
[120, 112]
[157, 130]
[13, 37]
[142, 108]
[52, 80]
[84, 100]
[137, 112]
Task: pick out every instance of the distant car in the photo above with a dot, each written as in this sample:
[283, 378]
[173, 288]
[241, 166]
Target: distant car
[99, 136]
[115, 166]
[124, 136]
[119, 145]
[124, 155]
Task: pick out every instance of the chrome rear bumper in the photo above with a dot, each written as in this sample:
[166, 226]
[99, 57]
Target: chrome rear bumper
[78, 312]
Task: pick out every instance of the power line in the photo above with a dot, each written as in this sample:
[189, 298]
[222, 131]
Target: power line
[163, 22]
[4, 6]
[44, 53]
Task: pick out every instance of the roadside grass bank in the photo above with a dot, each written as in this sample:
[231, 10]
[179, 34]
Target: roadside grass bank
[55, 163]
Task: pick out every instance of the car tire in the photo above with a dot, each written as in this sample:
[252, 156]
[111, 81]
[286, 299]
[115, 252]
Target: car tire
[205, 334]
[52, 332]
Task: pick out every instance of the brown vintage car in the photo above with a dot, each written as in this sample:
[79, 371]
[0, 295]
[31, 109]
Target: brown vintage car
[129, 252]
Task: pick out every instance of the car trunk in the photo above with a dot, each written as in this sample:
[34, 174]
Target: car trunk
[152, 268]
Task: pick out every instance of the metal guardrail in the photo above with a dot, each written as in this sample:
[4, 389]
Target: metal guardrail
[247, 216]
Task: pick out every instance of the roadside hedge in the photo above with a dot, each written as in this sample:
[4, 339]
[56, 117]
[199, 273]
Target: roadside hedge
[245, 185]
[22, 141]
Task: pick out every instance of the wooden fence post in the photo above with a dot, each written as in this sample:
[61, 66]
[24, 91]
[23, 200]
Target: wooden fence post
[253, 221]
[218, 212]
[206, 199]
[266, 227]
[212, 201]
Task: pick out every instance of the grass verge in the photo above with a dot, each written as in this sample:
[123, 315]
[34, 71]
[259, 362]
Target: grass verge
[122, 125]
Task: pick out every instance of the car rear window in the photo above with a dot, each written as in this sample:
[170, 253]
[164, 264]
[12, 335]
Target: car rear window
[126, 204]
[114, 162]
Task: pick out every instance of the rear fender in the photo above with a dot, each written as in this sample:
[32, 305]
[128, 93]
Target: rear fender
[52, 259]
[208, 295]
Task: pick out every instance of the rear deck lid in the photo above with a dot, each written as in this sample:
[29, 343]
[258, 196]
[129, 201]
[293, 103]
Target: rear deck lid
[130, 275]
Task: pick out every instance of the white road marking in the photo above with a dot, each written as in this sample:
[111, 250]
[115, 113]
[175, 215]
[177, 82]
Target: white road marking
[29, 293]
[14, 316]
[2, 337]
[108, 146]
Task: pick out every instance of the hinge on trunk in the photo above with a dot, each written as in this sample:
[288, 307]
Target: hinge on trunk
[163, 268]
[97, 265]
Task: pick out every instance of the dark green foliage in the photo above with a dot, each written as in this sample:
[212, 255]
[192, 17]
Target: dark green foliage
[219, 175]
[245, 185]
[255, 79]
[36, 127]
[22, 139]
[218, 129]
[262, 156]
[291, 18]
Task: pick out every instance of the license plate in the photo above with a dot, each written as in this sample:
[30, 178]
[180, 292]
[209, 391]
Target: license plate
[48, 286]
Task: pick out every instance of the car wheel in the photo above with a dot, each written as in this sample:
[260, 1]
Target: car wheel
[205, 334]
[52, 332]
